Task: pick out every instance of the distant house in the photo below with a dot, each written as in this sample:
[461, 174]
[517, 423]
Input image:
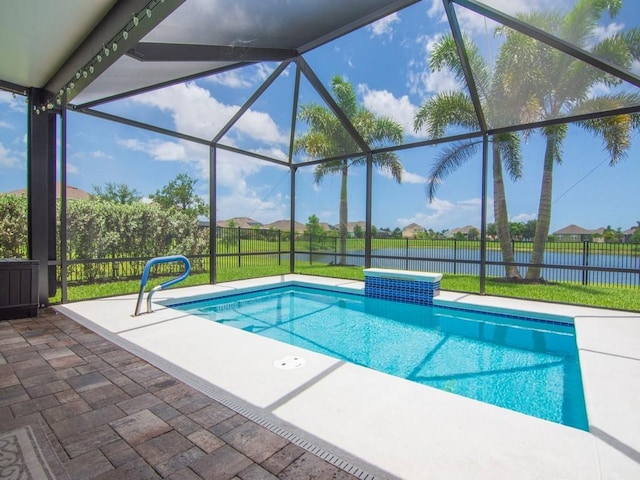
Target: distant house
[411, 230]
[285, 226]
[351, 226]
[327, 228]
[574, 233]
[242, 222]
[73, 193]
[627, 234]
[463, 231]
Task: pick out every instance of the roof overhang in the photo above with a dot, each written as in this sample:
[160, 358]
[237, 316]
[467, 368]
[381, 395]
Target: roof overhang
[82, 52]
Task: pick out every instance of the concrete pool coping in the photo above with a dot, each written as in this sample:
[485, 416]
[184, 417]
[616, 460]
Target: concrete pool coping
[387, 426]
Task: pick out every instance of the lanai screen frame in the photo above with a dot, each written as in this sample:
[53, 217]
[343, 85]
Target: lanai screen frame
[302, 68]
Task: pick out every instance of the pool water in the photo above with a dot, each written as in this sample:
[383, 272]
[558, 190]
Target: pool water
[520, 364]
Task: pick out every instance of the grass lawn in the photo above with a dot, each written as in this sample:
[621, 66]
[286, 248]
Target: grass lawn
[618, 298]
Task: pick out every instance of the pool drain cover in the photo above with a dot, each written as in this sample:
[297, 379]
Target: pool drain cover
[289, 362]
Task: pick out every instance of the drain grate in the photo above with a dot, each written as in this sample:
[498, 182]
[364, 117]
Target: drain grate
[289, 362]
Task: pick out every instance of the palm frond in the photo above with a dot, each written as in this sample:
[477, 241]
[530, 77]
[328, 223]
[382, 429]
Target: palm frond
[580, 21]
[445, 55]
[615, 49]
[328, 168]
[345, 96]
[448, 161]
[443, 110]
[319, 118]
[389, 162]
[615, 131]
[521, 75]
[315, 143]
[385, 132]
[509, 145]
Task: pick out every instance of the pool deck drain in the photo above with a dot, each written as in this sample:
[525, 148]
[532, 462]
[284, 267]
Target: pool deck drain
[390, 427]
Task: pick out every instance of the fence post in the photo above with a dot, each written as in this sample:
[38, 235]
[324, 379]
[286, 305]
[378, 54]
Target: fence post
[279, 249]
[455, 256]
[311, 249]
[406, 254]
[239, 256]
[335, 250]
[585, 262]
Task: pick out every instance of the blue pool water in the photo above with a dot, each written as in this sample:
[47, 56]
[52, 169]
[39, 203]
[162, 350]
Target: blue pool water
[524, 365]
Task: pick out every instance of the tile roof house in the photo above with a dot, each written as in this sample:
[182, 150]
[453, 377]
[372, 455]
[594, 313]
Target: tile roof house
[628, 233]
[463, 230]
[411, 230]
[327, 227]
[242, 222]
[285, 226]
[575, 233]
[350, 227]
[73, 193]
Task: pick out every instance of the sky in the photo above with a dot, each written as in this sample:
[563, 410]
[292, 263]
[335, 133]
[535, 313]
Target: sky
[387, 63]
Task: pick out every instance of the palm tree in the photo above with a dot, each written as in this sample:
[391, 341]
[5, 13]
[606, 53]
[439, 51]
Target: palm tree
[455, 108]
[551, 84]
[327, 138]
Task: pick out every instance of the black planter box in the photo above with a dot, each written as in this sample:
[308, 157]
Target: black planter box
[18, 288]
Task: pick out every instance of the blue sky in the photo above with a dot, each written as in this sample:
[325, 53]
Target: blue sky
[387, 64]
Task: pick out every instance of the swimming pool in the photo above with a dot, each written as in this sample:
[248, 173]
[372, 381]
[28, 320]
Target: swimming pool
[525, 364]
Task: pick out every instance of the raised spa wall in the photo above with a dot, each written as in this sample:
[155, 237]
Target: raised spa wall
[402, 285]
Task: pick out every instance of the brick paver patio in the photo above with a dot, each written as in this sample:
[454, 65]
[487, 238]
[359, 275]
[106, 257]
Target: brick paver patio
[110, 415]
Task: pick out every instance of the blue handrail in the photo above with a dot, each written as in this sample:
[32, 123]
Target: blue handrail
[147, 271]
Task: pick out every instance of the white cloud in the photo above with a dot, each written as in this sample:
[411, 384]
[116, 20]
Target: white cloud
[384, 26]
[598, 89]
[4, 125]
[8, 158]
[196, 112]
[274, 152]
[94, 154]
[384, 103]
[243, 199]
[446, 215]
[260, 126]
[605, 31]
[438, 82]
[16, 103]
[72, 169]
[232, 79]
[415, 178]
[251, 205]
[6, 97]
[158, 150]
[523, 217]
[437, 10]
[244, 77]
[407, 177]
[266, 69]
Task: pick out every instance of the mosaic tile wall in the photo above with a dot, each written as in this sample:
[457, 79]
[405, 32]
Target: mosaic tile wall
[401, 290]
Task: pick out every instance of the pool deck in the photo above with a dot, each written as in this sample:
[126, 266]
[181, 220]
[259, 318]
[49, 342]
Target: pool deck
[385, 426]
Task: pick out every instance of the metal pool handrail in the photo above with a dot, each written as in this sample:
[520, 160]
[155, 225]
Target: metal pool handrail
[147, 271]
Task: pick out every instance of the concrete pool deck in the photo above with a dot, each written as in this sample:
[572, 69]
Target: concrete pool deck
[387, 426]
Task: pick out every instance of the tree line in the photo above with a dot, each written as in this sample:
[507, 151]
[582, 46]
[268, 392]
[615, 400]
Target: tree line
[115, 222]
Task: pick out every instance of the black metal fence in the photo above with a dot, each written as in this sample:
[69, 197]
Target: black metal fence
[235, 248]
[585, 263]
